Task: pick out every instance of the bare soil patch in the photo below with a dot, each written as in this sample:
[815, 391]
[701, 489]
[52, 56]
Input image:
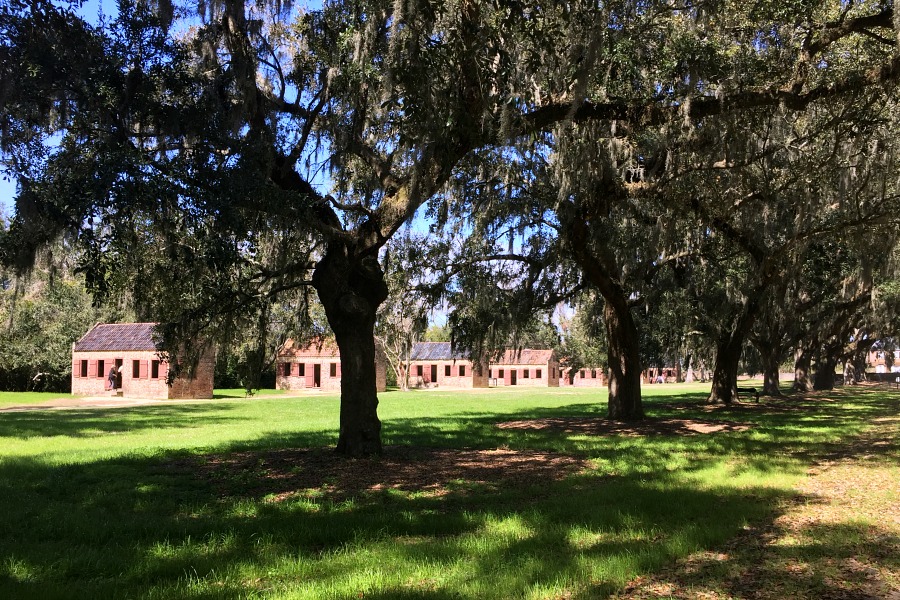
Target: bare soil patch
[602, 426]
[319, 471]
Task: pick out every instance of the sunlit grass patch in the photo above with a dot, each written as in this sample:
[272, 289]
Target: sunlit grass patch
[14, 398]
[200, 501]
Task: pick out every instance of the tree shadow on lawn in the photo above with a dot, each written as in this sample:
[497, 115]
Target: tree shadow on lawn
[96, 422]
[828, 561]
[187, 525]
[143, 526]
[798, 428]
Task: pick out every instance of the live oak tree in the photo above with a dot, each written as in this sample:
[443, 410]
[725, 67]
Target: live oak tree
[572, 226]
[829, 293]
[188, 136]
[794, 180]
[186, 148]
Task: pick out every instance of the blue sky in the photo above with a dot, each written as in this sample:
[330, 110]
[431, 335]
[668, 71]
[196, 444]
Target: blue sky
[91, 10]
[7, 193]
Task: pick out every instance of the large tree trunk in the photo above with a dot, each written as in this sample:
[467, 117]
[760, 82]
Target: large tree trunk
[351, 289]
[728, 355]
[724, 380]
[771, 367]
[599, 266]
[824, 377]
[802, 363]
[624, 363]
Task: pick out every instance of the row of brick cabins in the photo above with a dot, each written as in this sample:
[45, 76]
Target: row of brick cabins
[436, 364]
[140, 368]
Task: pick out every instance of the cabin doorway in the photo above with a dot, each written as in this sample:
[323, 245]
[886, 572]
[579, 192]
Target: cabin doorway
[434, 373]
[512, 376]
[119, 363]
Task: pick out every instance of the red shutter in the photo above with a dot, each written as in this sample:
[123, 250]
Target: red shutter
[295, 369]
[143, 369]
[92, 368]
[164, 370]
[76, 368]
[338, 369]
[310, 381]
[507, 379]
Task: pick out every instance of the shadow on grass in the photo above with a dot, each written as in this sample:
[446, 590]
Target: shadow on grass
[94, 422]
[137, 527]
[799, 426]
[843, 560]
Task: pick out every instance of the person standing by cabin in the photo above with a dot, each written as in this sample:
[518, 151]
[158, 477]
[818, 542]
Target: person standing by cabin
[111, 378]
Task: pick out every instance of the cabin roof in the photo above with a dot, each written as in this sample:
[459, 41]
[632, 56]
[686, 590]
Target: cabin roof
[118, 337]
[525, 356]
[315, 348]
[436, 351]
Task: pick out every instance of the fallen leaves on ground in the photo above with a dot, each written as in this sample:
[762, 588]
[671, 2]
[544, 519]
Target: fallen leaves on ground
[289, 472]
[839, 539]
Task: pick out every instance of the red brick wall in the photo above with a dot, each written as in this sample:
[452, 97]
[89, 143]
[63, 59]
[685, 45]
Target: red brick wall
[593, 377]
[472, 379]
[546, 379]
[295, 381]
[202, 382]
[143, 385]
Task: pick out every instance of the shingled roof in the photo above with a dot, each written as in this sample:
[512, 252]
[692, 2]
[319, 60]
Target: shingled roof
[317, 348]
[525, 356]
[118, 337]
[435, 351]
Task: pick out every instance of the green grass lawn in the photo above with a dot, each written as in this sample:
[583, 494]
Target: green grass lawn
[106, 503]
[11, 398]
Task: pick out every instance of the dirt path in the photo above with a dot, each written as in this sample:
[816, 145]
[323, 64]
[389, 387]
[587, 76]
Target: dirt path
[79, 402]
[68, 403]
[838, 540]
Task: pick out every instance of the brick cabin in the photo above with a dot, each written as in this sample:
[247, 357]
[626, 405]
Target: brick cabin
[142, 367]
[526, 367]
[435, 364]
[584, 377]
[882, 361]
[317, 366]
[669, 373]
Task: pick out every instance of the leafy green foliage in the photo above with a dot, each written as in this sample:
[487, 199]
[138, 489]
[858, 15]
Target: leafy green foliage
[41, 316]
